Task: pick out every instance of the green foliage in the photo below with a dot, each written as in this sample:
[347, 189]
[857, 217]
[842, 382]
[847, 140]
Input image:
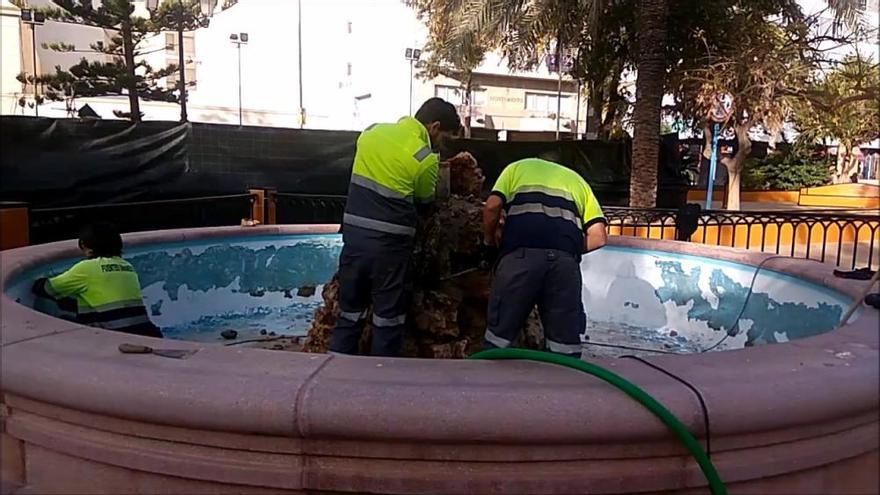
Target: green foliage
[125, 72]
[788, 170]
[178, 15]
[842, 105]
[760, 56]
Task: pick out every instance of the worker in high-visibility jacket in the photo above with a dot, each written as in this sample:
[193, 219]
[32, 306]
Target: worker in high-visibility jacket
[395, 173]
[103, 290]
[551, 218]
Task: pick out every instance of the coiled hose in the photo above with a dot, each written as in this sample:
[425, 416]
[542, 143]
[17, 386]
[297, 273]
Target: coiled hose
[716, 486]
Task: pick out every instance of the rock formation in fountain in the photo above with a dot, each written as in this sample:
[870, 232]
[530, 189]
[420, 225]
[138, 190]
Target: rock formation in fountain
[447, 317]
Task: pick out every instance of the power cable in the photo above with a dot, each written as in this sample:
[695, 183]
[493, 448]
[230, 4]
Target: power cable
[732, 331]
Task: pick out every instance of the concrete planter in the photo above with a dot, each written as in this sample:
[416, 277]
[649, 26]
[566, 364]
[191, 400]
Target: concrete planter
[79, 417]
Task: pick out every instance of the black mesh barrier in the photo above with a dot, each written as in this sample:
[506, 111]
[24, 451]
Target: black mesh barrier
[604, 164]
[309, 208]
[67, 162]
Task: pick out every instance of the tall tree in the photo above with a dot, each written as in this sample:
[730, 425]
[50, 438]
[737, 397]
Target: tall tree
[126, 73]
[761, 57]
[843, 105]
[525, 31]
[180, 16]
[651, 72]
[453, 57]
[605, 53]
[765, 54]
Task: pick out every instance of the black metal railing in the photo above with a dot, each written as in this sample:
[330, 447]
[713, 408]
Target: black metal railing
[847, 239]
[843, 238]
[54, 224]
[308, 208]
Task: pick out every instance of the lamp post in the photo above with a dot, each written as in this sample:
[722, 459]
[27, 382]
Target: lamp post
[411, 54]
[239, 39]
[299, 61]
[34, 18]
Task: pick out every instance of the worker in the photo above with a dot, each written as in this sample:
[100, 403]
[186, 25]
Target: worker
[104, 287]
[551, 218]
[394, 177]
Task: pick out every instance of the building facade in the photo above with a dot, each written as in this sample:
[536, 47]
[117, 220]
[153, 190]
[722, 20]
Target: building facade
[352, 72]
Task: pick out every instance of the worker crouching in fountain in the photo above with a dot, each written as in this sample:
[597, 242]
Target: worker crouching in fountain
[394, 174]
[551, 218]
[103, 289]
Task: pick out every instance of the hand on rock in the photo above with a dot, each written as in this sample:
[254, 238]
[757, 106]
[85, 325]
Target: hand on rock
[488, 256]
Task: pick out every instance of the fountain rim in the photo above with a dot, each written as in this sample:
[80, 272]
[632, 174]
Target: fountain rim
[308, 395]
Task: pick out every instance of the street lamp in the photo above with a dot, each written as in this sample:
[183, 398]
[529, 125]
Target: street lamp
[411, 54]
[239, 39]
[34, 18]
[299, 62]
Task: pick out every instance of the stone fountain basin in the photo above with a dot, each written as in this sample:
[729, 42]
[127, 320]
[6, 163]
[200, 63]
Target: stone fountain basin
[78, 416]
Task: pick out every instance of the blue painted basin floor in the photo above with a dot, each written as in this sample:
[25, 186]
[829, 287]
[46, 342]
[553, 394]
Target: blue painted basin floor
[646, 299]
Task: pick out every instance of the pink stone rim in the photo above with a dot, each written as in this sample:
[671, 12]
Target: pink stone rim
[759, 398]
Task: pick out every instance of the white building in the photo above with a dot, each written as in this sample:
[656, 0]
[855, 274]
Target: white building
[353, 72]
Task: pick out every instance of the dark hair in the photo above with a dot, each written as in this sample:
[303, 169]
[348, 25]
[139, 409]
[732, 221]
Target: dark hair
[551, 155]
[102, 238]
[439, 110]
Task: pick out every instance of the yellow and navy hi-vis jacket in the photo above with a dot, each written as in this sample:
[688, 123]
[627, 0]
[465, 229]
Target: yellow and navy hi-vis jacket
[107, 294]
[394, 169]
[547, 206]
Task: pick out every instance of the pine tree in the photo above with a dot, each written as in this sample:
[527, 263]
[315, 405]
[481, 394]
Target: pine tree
[125, 73]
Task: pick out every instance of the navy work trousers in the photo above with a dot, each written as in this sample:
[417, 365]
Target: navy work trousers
[549, 278]
[377, 278]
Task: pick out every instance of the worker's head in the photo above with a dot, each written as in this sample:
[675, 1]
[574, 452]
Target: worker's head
[441, 120]
[551, 155]
[100, 240]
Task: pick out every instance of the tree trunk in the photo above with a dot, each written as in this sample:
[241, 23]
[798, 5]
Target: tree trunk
[846, 165]
[131, 80]
[735, 165]
[651, 68]
[466, 101]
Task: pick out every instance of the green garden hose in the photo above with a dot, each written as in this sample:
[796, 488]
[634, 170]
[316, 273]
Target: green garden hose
[716, 486]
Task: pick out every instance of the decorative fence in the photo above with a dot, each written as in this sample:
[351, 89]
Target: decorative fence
[55, 224]
[845, 238]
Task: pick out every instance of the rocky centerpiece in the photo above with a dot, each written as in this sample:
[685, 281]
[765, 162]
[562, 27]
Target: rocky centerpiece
[447, 317]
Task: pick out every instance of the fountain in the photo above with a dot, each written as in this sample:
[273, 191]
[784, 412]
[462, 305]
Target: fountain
[783, 401]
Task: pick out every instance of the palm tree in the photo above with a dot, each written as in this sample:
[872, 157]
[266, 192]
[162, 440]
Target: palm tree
[651, 69]
[523, 29]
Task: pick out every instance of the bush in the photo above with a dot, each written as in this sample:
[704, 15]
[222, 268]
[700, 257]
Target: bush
[788, 170]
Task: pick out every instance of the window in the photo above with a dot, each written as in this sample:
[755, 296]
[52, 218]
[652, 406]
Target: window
[478, 98]
[190, 72]
[544, 103]
[189, 44]
[348, 69]
[453, 94]
[349, 27]
[448, 93]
